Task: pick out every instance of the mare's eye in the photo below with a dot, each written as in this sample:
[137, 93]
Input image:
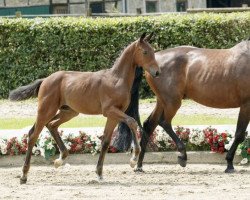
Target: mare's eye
[145, 52]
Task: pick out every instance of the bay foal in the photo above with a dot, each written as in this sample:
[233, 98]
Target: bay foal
[65, 94]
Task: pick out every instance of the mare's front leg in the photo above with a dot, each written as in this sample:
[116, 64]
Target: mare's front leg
[108, 131]
[243, 121]
[170, 109]
[148, 128]
[182, 159]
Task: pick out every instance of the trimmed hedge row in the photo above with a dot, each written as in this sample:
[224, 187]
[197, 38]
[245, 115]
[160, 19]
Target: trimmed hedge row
[34, 48]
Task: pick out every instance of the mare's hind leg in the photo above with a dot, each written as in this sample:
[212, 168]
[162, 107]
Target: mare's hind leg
[148, 128]
[243, 120]
[42, 118]
[109, 128]
[63, 116]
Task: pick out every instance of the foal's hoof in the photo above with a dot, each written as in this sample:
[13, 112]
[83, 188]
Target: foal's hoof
[23, 180]
[230, 170]
[139, 170]
[133, 162]
[58, 162]
[182, 162]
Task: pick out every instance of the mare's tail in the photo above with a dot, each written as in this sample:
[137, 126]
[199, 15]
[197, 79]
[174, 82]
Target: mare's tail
[123, 139]
[26, 92]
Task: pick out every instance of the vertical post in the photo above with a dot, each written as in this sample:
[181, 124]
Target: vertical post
[50, 7]
[4, 2]
[103, 6]
[87, 9]
[125, 6]
[28, 2]
[68, 4]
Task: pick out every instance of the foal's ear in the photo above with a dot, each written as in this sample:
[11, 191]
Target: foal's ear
[142, 37]
[149, 37]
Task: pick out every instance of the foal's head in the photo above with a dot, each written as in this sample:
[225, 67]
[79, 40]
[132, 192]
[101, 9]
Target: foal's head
[145, 56]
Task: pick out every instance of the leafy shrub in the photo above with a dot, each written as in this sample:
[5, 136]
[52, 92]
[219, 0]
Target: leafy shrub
[35, 48]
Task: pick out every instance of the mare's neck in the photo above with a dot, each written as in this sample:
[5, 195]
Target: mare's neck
[124, 67]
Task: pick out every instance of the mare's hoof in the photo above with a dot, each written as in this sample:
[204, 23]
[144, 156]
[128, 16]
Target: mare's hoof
[23, 180]
[133, 163]
[58, 163]
[182, 162]
[100, 178]
[139, 170]
[230, 170]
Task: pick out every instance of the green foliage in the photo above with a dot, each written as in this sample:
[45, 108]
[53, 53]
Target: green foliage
[35, 48]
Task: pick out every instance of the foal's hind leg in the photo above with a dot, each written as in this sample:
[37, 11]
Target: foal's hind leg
[63, 116]
[243, 120]
[109, 128]
[42, 118]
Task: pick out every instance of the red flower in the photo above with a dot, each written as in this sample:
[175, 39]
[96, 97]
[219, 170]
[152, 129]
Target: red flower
[221, 149]
[112, 149]
[216, 138]
[221, 144]
[248, 151]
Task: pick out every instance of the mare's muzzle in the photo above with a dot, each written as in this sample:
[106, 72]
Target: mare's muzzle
[154, 73]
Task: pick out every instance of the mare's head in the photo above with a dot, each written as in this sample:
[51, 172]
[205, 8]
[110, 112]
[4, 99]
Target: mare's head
[145, 57]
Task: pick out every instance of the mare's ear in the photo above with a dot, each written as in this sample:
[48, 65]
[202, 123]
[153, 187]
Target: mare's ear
[142, 37]
[149, 37]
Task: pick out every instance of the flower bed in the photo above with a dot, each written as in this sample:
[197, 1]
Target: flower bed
[208, 139]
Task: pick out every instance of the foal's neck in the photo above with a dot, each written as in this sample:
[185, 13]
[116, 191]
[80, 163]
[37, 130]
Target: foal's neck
[124, 67]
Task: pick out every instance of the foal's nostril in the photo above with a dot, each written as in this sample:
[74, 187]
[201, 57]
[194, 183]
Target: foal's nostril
[157, 73]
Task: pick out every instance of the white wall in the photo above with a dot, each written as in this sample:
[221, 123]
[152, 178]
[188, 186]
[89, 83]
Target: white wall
[197, 3]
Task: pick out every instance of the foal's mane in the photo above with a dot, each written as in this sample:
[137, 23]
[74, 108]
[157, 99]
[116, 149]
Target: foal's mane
[121, 52]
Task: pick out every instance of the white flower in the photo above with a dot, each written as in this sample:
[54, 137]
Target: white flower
[244, 161]
[42, 142]
[68, 145]
[3, 146]
[50, 146]
[3, 151]
[42, 150]
[36, 151]
[196, 137]
[228, 146]
[238, 152]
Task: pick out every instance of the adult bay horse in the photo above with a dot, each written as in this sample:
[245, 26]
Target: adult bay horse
[218, 78]
[65, 94]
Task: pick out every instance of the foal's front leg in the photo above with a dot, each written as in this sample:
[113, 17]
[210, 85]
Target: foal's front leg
[120, 116]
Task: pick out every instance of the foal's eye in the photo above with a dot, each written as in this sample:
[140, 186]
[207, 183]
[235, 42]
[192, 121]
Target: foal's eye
[145, 52]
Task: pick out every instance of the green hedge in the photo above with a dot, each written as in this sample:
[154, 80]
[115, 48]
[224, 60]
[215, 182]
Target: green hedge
[34, 48]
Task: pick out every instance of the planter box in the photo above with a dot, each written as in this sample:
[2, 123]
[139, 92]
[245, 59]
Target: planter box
[194, 157]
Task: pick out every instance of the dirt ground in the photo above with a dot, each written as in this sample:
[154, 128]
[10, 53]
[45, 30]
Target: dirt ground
[29, 108]
[161, 181]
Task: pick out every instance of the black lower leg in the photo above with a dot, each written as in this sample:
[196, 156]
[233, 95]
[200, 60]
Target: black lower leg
[146, 132]
[182, 159]
[240, 134]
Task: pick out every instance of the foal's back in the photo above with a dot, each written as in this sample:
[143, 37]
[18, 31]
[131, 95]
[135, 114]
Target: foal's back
[78, 90]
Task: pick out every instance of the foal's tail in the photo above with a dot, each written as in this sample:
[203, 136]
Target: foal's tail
[26, 92]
